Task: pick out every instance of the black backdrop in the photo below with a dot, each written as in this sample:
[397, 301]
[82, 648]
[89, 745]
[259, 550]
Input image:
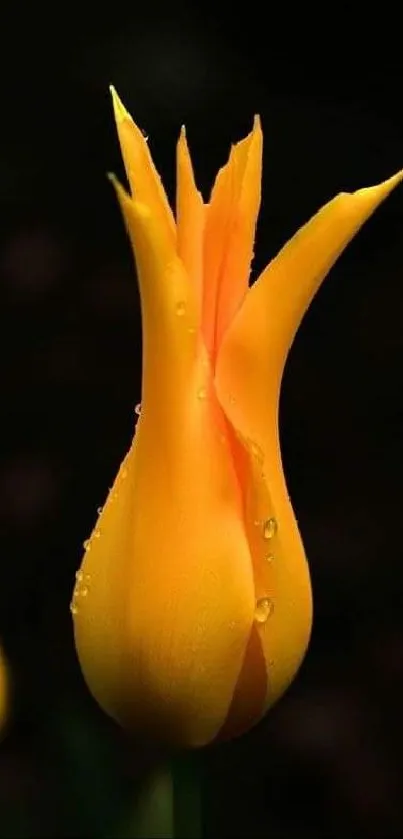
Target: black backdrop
[327, 761]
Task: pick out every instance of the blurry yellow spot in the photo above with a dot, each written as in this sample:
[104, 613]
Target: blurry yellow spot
[4, 692]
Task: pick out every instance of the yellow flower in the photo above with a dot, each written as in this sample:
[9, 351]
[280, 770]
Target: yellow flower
[192, 609]
[4, 692]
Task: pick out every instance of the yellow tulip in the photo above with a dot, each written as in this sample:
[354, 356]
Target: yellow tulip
[192, 608]
[4, 692]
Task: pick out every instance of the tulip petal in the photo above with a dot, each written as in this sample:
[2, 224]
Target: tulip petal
[229, 236]
[162, 629]
[145, 183]
[190, 212]
[248, 375]
[170, 315]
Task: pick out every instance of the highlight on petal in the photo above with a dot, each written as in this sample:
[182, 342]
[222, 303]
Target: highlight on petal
[231, 218]
[248, 375]
[145, 183]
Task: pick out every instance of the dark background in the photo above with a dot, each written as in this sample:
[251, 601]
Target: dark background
[328, 760]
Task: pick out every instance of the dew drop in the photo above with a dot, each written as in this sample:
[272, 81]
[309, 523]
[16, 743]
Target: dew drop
[269, 528]
[263, 609]
[180, 308]
[137, 409]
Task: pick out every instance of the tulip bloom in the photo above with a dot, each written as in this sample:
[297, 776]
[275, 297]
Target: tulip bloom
[192, 608]
[4, 691]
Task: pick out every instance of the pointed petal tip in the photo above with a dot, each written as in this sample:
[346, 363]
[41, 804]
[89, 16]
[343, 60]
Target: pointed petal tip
[114, 181]
[395, 180]
[111, 177]
[121, 114]
[182, 139]
[257, 123]
[133, 211]
[119, 189]
[384, 187]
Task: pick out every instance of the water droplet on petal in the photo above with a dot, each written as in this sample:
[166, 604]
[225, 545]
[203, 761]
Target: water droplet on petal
[263, 609]
[269, 528]
[180, 308]
[137, 409]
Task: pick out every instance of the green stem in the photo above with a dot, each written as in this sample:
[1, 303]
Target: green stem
[170, 804]
[153, 817]
[187, 773]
